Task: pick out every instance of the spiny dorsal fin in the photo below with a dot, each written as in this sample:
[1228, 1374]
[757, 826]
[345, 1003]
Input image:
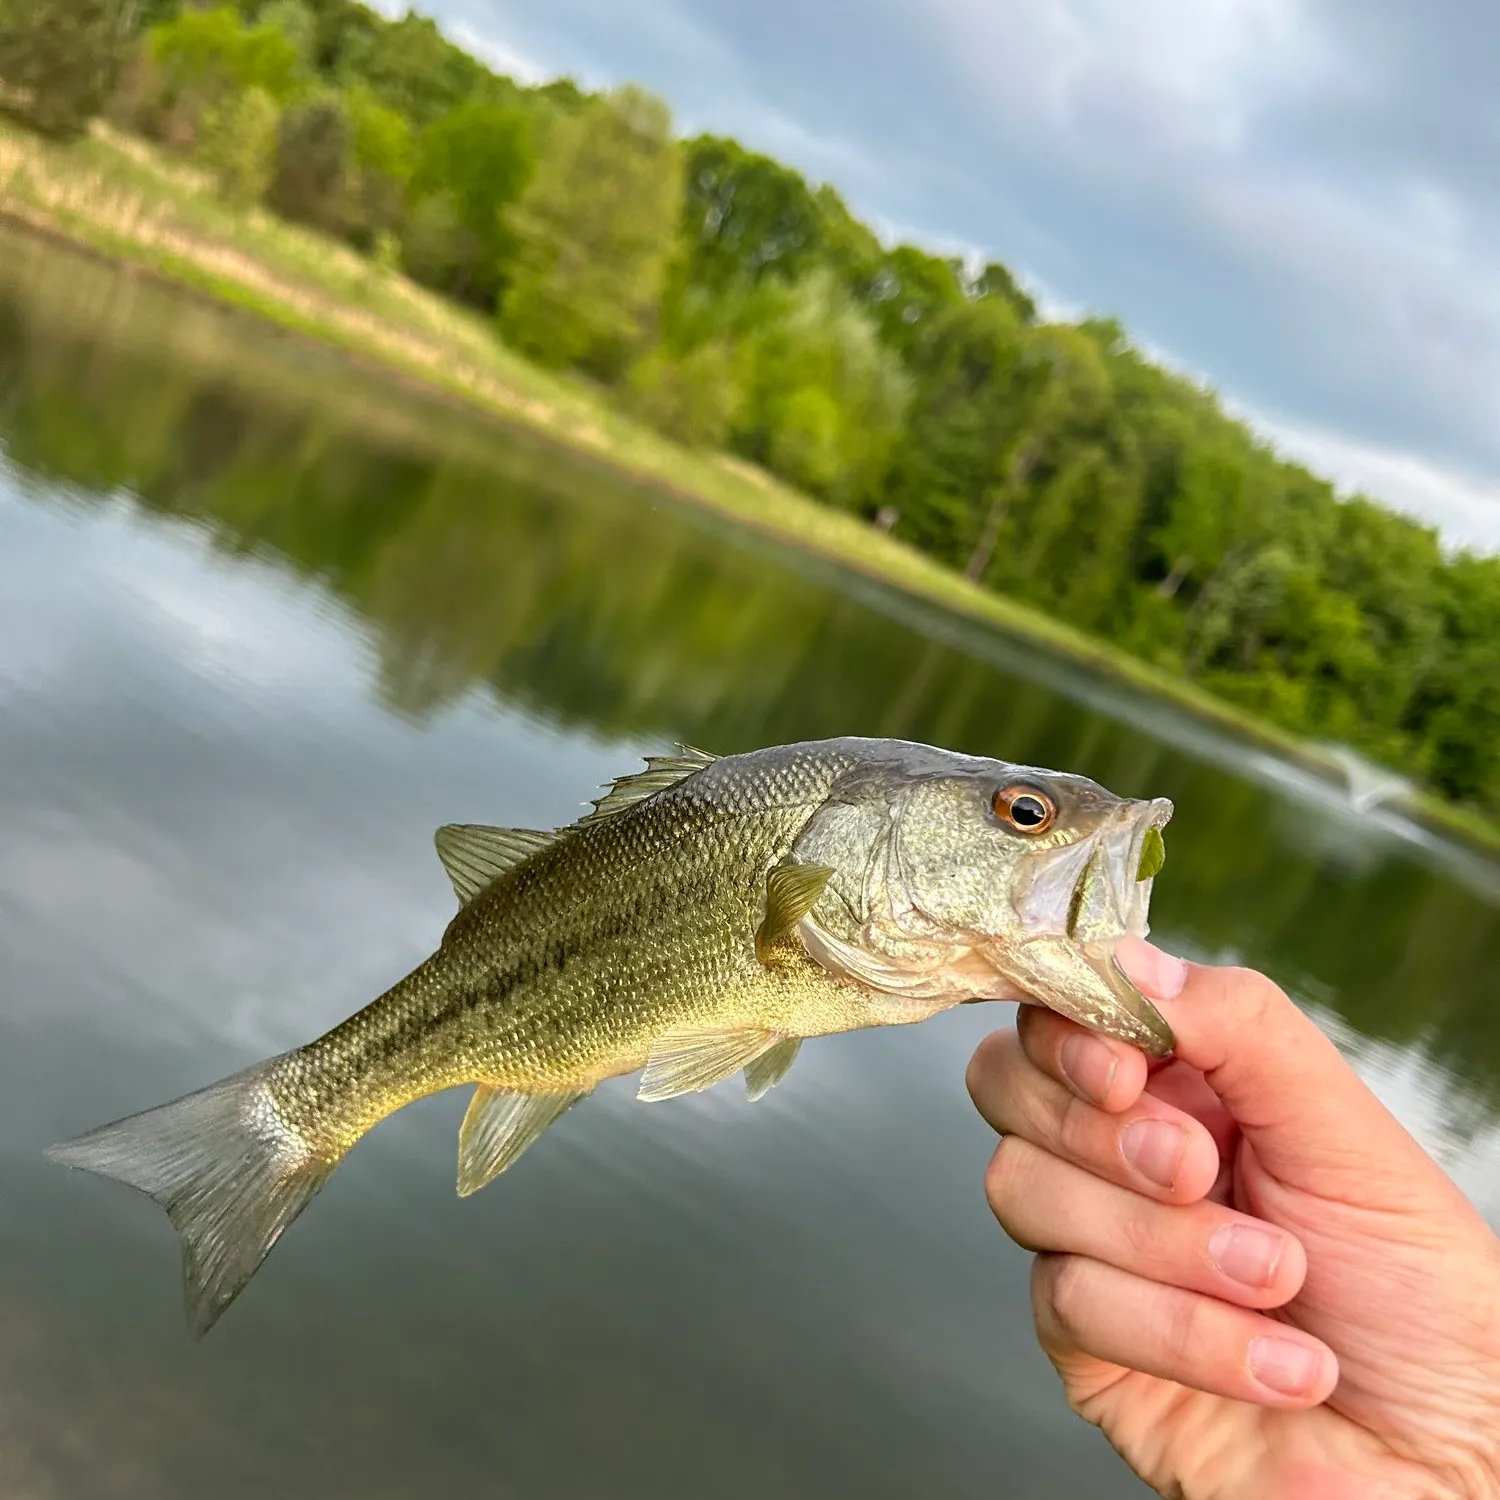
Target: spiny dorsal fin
[682, 1062]
[473, 855]
[791, 892]
[498, 1127]
[661, 772]
[770, 1067]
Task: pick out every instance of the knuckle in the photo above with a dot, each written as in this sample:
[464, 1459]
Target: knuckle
[1137, 1240]
[986, 1066]
[1181, 1331]
[1000, 1176]
[1066, 1290]
[1009, 1187]
[1075, 1126]
[1250, 992]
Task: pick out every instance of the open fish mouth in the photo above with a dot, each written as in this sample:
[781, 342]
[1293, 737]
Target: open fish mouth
[1123, 853]
[1079, 902]
[1100, 887]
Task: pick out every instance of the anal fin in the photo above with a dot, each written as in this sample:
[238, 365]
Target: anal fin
[499, 1125]
[771, 1067]
[682, 1062]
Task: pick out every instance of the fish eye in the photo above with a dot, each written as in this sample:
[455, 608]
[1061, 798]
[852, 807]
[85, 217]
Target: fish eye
[1027, 809]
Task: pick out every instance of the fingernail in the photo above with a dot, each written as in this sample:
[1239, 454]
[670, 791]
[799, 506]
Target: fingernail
[1154, 1148]
[1156, 974]
[1247, 1253]
[1089, 1066]
[1292, 1369]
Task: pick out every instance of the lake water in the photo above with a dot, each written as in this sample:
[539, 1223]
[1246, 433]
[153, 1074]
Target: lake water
[265, 622]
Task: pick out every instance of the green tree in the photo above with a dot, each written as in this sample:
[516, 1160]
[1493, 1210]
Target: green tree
[472, 163]
[908, 290]
[950, 453]
[237, 143]
[593, 233]
[313, 180]
[296, 22]
[1060, 382]
[692, 398]
[412, 68]
[59, 59]
[850, 249]
[744, 215]
[823, 398]
[205, 58]
[995, 280]
[381, 158]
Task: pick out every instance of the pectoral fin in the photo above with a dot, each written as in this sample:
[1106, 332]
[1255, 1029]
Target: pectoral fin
[770, 1067]
[682, 1062]
[498, 1127]
[791, 892]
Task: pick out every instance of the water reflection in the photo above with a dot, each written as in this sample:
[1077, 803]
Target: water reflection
[264, 623]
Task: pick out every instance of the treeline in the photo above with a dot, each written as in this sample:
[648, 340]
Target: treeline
[732, 304]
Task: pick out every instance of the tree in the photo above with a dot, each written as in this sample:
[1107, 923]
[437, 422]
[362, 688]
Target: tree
[908, 290]
[296, 22]
[823, 398]
[996, 280]
[948, 458]
[313, 178]
[59, 60]
[206, 58]
[381, 157]
[692, 398]
[472, 164]
[847, 247]
[593, 234]
[237, 143]
[1060, 382]
[412, 68]
[744, 216]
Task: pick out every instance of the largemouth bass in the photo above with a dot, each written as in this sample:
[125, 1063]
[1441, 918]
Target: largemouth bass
[705, 918]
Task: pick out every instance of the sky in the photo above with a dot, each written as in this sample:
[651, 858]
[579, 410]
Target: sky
[1295, 200]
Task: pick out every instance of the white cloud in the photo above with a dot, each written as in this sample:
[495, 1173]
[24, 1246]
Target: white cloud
[499, 55]
[1173, 75]
[1464, 508]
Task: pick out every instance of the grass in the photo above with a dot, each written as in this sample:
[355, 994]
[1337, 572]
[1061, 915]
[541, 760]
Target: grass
[116, 196]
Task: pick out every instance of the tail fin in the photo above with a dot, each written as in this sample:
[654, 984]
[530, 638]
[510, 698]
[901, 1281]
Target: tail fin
[229, 1171]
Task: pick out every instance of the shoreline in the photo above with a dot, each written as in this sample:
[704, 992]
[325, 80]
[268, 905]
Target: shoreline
[220, 269]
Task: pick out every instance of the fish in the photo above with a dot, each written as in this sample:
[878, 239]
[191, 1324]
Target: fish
[704, 918]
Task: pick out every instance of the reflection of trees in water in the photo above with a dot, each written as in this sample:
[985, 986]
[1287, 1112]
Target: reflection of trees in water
[479, 560]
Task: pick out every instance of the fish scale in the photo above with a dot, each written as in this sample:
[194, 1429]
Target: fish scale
[704, 919]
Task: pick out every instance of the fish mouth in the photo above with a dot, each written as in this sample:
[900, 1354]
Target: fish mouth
[1085, 897]
[1130, 890]
[1090, 889]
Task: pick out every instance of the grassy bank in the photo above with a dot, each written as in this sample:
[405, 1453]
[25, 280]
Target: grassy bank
[116, 197]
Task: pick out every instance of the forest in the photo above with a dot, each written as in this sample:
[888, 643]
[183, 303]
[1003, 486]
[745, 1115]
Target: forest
[722, 298]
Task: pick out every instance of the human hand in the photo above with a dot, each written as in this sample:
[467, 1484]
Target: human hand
[1248, 1274]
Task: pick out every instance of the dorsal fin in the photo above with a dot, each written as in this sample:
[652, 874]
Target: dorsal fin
[473, 855]
[661, 772]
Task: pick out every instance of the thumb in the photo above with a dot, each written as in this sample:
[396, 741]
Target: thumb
[1312, 1121]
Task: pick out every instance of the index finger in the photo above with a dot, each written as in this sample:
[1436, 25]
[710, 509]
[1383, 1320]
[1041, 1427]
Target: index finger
[1310, 1118]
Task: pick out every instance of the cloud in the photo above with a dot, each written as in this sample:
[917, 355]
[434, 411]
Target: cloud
[1464, 507]
[1295, 197]
[497, 55]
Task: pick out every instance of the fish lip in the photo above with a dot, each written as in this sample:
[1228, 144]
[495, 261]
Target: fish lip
[1156, 1039]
